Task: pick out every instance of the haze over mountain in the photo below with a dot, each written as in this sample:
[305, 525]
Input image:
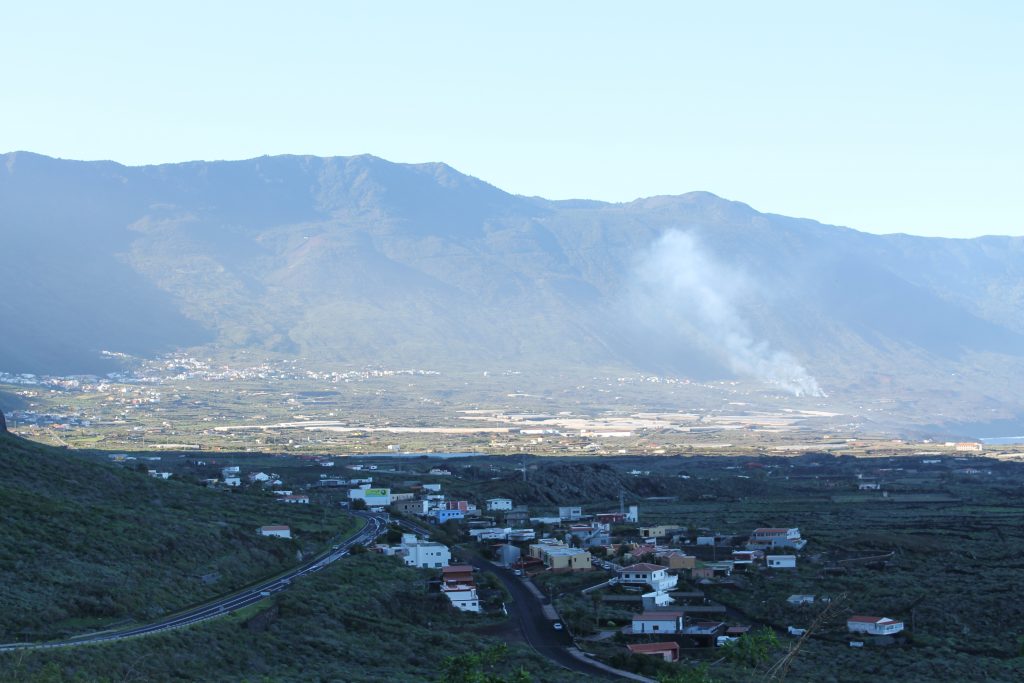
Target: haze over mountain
[359, 260]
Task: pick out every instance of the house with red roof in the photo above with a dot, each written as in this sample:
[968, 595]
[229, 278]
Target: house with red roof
[876, 626]
[461, 573]
[668, 651]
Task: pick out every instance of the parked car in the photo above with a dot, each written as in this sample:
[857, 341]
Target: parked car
[558, 626]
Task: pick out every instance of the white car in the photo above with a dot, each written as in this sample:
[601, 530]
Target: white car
[558, 626]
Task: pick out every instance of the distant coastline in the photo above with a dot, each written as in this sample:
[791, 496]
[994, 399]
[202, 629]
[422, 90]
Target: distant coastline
[1003, 440]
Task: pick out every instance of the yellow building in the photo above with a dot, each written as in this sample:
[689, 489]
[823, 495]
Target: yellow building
[557, 556]
[681, 561]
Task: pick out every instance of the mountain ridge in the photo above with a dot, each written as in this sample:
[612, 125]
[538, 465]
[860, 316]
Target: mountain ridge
[363, 260]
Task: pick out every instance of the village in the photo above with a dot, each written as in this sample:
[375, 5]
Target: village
[655, 573]
[649, 585]
[641, 563]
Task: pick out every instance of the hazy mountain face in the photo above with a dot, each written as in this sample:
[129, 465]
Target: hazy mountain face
[364, 261]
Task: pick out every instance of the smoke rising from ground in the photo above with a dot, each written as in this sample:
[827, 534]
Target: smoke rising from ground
[678, 282]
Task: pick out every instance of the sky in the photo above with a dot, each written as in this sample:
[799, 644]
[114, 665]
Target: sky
[881, 116]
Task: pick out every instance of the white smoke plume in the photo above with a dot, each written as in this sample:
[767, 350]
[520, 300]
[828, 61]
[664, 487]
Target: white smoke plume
[680, 283]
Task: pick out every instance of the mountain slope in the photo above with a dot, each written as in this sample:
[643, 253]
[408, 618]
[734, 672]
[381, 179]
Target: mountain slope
[87, 544]
[360, 260]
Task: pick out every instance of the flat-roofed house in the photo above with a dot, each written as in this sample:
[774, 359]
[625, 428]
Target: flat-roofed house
[277, 530]
[658, 622]
[876, 626]
[646, 574]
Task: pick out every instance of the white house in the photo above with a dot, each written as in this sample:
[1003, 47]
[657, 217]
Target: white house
[499, 504]
[741, 557]
[876, 626]
[774, 537]
[232, 481]
[424, 554]
[633, 515]
[491, 534]
[507, 554]
[570, 513]
[462, 596]
[298, 499]
[780, 561]
[159, 475]
[656, 599]
[259, 476]
[378, 497]
[279, 531]
[645, 574]
[229, 471]
[658, 622]
[800, 599]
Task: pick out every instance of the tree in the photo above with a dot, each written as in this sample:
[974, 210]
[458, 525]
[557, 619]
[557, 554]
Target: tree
[752, 649]
[687, 674]
[475, 667]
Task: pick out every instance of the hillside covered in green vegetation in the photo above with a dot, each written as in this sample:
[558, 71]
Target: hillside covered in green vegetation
[88, 545]
[365, 619]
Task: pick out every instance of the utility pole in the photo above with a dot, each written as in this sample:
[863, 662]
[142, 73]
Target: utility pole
[622, 502]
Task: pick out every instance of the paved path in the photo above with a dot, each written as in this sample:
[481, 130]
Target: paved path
[536, 618]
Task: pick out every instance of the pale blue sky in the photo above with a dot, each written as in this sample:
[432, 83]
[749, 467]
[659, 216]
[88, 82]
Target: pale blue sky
[883, 116]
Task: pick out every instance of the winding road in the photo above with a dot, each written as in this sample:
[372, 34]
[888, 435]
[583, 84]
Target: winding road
[527, 610]
[373, 526]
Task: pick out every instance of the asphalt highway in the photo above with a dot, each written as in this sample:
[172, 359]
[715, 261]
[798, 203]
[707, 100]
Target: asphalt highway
[538, 630]
[373, 527]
